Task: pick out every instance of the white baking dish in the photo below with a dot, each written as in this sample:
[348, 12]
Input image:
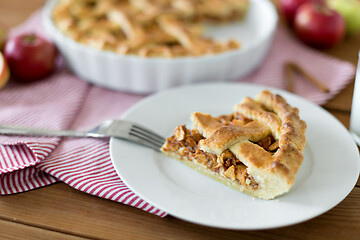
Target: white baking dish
[144, 75]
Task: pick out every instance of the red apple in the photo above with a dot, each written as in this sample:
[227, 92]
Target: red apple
[3, 36]
[30, 57]
[350, 10]
[4, 71]
[319, 26]
[289, 7]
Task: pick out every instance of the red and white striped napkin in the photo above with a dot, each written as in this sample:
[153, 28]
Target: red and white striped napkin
[333, 73]
[65, 102]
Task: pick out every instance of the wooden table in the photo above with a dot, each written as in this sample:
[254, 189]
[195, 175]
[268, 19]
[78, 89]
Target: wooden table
[60, 212]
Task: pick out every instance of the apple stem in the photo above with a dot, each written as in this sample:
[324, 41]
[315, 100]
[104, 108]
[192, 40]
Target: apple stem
[321, 2]
[321, 7]
[29, 38]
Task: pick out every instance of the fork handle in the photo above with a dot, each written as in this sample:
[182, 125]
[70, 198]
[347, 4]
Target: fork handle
[26, 131]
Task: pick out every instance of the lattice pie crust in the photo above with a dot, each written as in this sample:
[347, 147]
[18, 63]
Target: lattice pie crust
[148, 28]
[257, 149]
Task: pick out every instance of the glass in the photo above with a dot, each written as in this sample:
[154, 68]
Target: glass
[355, 109]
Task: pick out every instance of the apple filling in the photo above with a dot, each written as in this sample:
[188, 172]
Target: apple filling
[185, 143]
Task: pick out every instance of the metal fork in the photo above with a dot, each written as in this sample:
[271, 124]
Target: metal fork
[121, 129]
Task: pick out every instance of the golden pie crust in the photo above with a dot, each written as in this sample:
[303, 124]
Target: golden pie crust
[257, 149]
[148, 28]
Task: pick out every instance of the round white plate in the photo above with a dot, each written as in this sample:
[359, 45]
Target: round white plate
[329, 171]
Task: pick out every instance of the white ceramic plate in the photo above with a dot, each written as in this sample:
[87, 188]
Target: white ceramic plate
[329, 171]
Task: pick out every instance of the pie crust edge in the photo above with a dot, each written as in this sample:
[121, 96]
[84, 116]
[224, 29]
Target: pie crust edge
[277, 176]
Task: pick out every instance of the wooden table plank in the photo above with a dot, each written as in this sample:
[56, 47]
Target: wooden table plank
[343, 117]
[63, 209]
[347, 50]
[343, 100]
[60, 212]
[12, 230]
[13, 12]
[341, 222]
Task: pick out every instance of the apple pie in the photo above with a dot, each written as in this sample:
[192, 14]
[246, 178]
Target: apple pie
[257, 149]
[148, 28]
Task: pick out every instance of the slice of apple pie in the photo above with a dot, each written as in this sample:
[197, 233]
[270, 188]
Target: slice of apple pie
[257, 149]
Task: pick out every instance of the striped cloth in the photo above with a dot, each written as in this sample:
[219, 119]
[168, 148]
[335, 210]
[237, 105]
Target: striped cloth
[333, 73]
[62, 101]
[65, 102]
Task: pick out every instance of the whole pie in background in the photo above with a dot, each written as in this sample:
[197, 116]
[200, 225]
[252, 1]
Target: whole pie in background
[257, 149]
[148, 28]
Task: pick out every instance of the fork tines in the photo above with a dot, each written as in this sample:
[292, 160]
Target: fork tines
[147, 137]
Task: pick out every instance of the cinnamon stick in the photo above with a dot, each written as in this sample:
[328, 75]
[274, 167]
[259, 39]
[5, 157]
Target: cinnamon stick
[293, 67]
[289, 76]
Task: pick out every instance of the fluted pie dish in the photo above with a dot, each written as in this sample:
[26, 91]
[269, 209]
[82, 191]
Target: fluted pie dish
[154, 57]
